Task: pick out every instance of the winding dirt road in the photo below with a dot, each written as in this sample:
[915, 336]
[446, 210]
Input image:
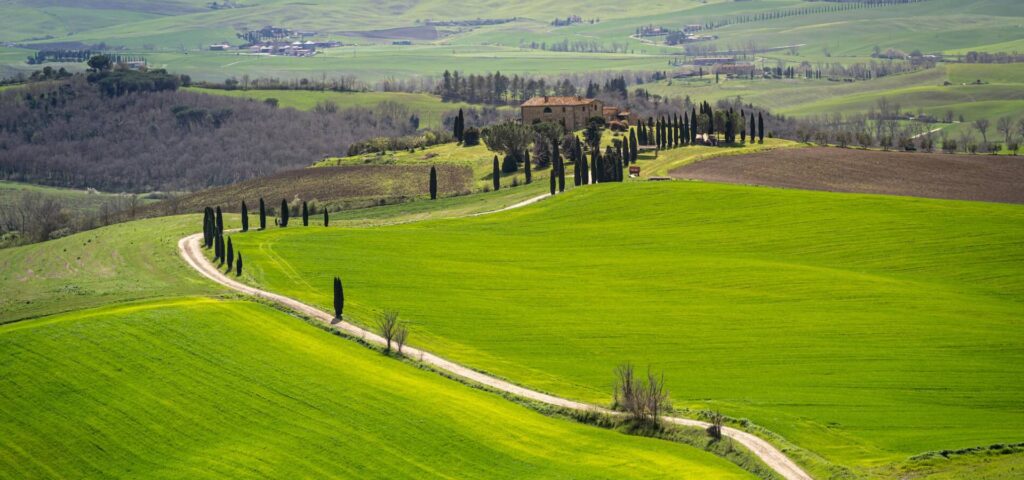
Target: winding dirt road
[191, 250]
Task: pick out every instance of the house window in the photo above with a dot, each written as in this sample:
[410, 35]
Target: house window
[547, 109]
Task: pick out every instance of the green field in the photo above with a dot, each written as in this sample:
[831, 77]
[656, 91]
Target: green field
[430, 108]
[204, 388]
[863, 328]
[77, 201]
[152, 371]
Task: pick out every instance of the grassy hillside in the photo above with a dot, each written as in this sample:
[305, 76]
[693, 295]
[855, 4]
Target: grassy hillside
[864, 328]
[143, 377]
[212, 389]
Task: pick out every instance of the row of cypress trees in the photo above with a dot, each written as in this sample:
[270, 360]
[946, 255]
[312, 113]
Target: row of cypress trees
[677, 130]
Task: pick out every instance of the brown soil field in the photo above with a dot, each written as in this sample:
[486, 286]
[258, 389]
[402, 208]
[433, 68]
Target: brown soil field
[985, 178]
[338, 188]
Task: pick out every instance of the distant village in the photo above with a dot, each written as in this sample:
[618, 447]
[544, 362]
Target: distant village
[279, 41]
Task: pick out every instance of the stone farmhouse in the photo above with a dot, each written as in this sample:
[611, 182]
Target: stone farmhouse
[570, 112]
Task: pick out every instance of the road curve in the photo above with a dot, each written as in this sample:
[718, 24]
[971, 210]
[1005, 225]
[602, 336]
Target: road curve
[191, 250]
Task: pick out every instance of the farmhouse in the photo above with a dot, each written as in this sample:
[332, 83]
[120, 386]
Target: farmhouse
[570, 112]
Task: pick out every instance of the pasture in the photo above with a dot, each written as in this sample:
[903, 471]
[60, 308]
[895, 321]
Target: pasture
[863, 328]
[206, 388]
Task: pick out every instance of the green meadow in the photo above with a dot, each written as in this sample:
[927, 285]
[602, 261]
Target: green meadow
[118, 361]
[865, 329]
[196, 387]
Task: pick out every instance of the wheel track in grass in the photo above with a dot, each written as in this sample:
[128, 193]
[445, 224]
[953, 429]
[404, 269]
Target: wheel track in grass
[192, 252]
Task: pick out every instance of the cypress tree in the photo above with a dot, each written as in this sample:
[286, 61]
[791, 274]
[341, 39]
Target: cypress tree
[632, 146]
[760, 128]
[460, 126]
[220, 221]
[556, 155]
[230, 255]
[686, 128]
[238, 265]
[208, 227]
[327, 218]
[284, 213]
[743, 129]
[585, 173]
[245, 217]
[576, 170]
[219, 249]
[433, 183]
[693, 126]
[671, 131]
[551, 180]
[496, 175]
[619, 166]
[595, 166]
[305, 214]
[529, 168]
[339, 298]
[263, 215]
[753, 128]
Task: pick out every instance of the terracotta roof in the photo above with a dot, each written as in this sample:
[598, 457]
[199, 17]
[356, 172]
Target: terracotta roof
[558, 101]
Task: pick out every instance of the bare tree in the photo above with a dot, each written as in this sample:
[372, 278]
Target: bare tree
[644, 399]
[717, 419]
[387, 327]
[1005, 126]
[401, 335]
[981, 125]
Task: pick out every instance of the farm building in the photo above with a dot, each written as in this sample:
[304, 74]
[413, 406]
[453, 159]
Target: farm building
[570, 112]
[616, 114]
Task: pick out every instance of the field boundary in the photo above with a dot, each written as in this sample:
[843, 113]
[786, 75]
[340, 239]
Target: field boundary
[191, 251]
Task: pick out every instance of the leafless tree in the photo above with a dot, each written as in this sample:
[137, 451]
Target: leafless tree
[644, 399]
[981, 125]
[387, 327]
[1005, 126]
[716, 419]
[401, 335]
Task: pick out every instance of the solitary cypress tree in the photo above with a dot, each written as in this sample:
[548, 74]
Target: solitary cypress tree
[529, 173]
[305, 214]
[230, 255]
[263, 215]
[339, 298]
[551, 179]
[238, 265]
[284, 213]
[760, 128]
[496, 175]
[327, 219]
[245, 217]
[220, 221]
[433, 183]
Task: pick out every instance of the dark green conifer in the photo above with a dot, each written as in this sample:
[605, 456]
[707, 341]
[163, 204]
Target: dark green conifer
[245, 217]
[230, 255]
[339, 298]
[284, 213]
[238, 265]
[496, 175]
[433, 183]
[305, 214]
[263, 215]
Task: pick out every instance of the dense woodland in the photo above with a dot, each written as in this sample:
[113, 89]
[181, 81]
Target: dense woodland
[70, 133]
